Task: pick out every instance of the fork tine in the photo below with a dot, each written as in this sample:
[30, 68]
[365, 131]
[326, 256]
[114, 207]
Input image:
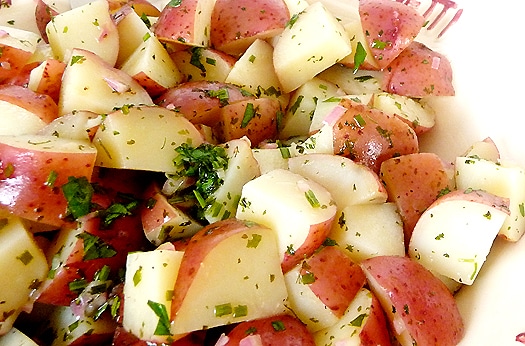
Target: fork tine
[452, 21]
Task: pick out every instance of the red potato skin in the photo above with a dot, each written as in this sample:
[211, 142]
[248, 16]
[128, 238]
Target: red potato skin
[235, 24]
[262, 126]
[197, 249]
[313, 241]
[375, 331]
[51, 78]
[149, 84]
[124, 235]
[295, 332]
[193, 100]
[43, 15]
[12, 62]
[390, 26]
[337, 278]
[23, 188]
[423, 302]
[369, 136]
[176, 24]
[413, 183]
[418, 72]
[40, 104]
[124, 338]
[22, 77]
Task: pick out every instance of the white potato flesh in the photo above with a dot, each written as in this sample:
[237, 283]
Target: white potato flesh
[346, 330]
[254, 70]
[16, 337]
[132, 31]
[74, 126]
[279, 200]
[499, 179]
[311, 43]
[90, 84]
[242, 167]
[16, 120]
[143, 138]
[150, 277]
[348, 182]
[302, 106]
[23, 267]
[18, 38]
[330, 109]
[152, 59]
[321, 142]
[235, 282]
[406, 108]
[485, 149]
[68, 327]
[311, 310]
[88, 27]
[269, 159]
[353, 83]
[454, 235]
[369, 230]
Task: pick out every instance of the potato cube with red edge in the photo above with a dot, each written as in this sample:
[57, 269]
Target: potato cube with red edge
[24, 267]
[163, 221]
[503, 179]
[455, 234]
[419, 307]
[418, 71]
[79, 252]
[390, 27]
[413, 183]
[363, 323]
[185, 22]
[33, 169]
[151, 66]
[91, 84]
[201, 101]
[17, 48]
[23, 111]
[236, 24]
[255, 119]
[299, 210]
[369, 136]
[275, 330]
[242, 261]
[322, 286]
[46, 78]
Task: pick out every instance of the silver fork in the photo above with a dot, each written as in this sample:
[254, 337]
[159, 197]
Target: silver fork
[446, 6]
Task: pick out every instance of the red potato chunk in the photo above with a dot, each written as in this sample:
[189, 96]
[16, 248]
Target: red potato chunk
[390, 26]
[47, 78]
[420, 308]
[255, 119]
[369, 136]
[32, 171]
[201, 101]
[235, 24]
[12, 62]
[43, 15]
[336, 278]
[283, 330]
[413, 183]
[40, 104]
[418, 72]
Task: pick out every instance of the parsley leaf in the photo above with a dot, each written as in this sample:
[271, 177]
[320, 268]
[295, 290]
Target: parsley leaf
[78, 193]
[202, 162]
[95, 248]
[163, 326]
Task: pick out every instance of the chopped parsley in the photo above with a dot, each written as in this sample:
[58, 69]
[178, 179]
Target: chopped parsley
[78, 193]
[203, 163]
[163, 326]
[95, 248]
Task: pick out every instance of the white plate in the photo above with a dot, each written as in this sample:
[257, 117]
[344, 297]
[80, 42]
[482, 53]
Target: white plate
[485, 53]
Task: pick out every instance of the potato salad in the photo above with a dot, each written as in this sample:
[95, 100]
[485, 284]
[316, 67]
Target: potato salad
[235, 172]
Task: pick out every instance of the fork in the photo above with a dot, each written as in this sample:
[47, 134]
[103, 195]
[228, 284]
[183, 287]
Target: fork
[446, 6]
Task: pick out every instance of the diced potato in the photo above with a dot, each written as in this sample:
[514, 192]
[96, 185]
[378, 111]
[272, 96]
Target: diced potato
[22, 270]
[309, 44]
